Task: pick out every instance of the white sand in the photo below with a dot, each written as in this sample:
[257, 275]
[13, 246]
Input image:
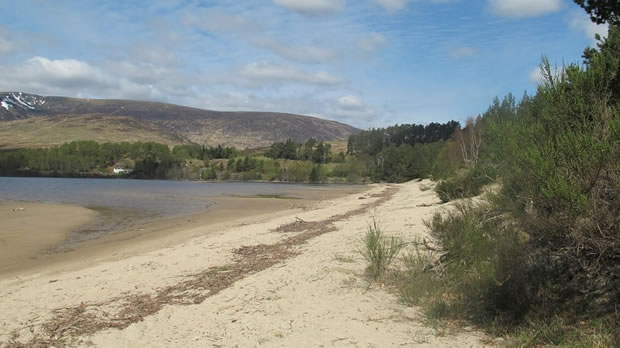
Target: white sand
[318, 298]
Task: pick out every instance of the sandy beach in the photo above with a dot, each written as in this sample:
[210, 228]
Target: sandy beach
[37, 237]
[289, 278]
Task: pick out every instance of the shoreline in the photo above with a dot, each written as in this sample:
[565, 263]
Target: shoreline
[65, 250]
[114, 176]
[276, 280]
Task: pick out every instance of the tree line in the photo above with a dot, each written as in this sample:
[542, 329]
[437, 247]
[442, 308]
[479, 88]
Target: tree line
[312, 150]
[87, 158]
[401, 152]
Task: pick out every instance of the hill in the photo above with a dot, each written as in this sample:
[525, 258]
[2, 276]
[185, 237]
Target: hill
[33, 120]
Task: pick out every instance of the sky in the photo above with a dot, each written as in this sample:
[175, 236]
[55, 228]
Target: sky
[368, 63]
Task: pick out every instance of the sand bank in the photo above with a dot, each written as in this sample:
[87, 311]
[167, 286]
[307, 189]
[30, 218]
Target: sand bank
[294, 279]
[31, 230]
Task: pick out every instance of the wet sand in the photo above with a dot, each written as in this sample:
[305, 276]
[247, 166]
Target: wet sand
[38, 237]
[28, 230]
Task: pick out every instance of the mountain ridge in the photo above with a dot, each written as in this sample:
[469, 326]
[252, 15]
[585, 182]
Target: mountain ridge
[186, 124]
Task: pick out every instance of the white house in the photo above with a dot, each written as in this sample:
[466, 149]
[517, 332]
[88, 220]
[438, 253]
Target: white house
[121, 170]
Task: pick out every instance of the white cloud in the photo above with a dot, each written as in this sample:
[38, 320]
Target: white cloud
[65, 73]
[351, 108]
[582, 22]
[72, 77]
[312, 7]
[351, 102]
[536, 76]
[392, 5]
[371, 42]
[266, 71]
[524, 8]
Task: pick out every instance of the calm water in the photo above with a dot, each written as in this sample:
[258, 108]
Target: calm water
[124, 203]
[157, 197]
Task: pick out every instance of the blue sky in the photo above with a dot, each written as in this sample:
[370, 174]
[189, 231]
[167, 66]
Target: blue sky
[364, 62]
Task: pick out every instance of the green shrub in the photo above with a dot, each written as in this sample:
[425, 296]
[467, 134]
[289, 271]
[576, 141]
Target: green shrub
[463, 185]
[485, 263]
[314, 175]
[561, 332]
[378, 250]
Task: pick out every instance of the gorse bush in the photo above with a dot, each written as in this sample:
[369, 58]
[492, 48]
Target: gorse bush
[561, 179]
[378, 250]
[542, 254]
[485, 260]
[464, 184]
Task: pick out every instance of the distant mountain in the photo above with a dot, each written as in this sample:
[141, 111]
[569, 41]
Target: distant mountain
[33, 120]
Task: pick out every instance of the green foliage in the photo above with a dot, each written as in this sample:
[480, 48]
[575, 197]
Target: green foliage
[313, 150]
[373, 141]
[467, 183]
[602, 11]
[378, 250]
[211, 174]
[447, 162]
[314, 175]
[402, 152]
[539, 258]
[561, 332]
[285, 150]
[559, 168]
[86, 158]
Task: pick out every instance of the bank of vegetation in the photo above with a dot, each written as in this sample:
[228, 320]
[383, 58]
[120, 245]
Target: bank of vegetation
[395, 154]
[537, 257]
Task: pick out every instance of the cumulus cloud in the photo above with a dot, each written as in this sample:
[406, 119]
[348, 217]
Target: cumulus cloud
[371, 42]
[582, 22]
[312, 7]
[266, 71]
[63, 73]
[74, 77]
[524, 8]
[351, 108]
[392, 5]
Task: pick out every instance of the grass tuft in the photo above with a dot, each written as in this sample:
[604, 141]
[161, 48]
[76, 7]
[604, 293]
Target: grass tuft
[379, 250]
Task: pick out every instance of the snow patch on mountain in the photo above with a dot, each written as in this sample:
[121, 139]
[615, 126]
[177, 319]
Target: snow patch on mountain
[5, 104]
[22, 102]
[15, 101]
